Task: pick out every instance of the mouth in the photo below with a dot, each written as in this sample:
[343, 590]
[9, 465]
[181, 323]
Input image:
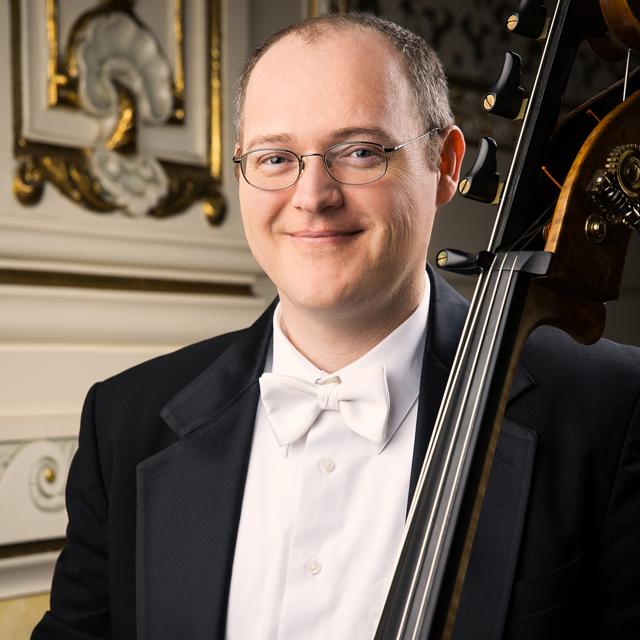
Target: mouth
[324, 235]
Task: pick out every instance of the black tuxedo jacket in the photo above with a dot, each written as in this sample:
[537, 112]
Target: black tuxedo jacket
[155, 490]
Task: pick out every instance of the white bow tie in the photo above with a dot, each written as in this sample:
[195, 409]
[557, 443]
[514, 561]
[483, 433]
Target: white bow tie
[292, 404]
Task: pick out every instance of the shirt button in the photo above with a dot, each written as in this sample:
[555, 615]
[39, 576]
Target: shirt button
[313, 567]
[327, 465]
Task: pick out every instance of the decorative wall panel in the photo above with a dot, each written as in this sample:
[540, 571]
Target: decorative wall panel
[122, 239]
[113, 75]
[115, 130]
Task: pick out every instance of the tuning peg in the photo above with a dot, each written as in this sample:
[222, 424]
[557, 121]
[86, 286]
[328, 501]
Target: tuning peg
[529, 19]
[482, 183]
[507, 98]
[466, 264]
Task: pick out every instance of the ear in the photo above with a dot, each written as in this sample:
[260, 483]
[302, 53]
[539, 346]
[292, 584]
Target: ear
[451, 156]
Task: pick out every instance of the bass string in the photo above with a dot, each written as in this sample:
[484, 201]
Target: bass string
[467, 435]
[549, 50]
[460, 358]
[454, 380]
[461, 354]
[626, 75]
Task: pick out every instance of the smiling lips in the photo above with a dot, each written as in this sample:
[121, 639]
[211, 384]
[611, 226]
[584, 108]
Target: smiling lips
[324, 235]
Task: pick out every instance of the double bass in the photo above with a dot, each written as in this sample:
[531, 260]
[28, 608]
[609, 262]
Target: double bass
[566, 214]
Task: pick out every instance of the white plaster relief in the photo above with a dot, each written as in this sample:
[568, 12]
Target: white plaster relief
[48, 477]
[111, 49]
[32, 489]
[136, 184]
[7, 451]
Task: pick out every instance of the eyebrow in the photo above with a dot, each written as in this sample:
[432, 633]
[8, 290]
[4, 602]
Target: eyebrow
[374, 132]
[346, 133]
[274, 138]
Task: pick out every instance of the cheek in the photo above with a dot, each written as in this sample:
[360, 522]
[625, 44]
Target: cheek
[257, 216]
[249, 219]
[262, 215]
[254, 230]
[408, 210]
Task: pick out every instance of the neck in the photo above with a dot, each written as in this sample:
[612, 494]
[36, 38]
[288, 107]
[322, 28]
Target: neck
[333, 339]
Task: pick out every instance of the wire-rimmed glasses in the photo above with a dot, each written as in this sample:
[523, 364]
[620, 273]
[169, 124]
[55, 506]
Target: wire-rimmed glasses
[354, 162]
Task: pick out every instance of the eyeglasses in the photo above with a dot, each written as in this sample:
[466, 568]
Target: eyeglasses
[346, 162]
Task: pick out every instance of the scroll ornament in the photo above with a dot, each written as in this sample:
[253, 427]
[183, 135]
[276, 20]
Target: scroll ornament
[114, 50]
[118, 74]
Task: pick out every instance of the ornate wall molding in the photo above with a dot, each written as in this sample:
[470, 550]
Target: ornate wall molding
[117, 318]
[126, 85]
[48, 475]
[33, 476]
[45, 466]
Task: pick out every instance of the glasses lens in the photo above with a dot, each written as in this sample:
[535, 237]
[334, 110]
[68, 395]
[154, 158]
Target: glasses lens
[270, 168]
[356, 162]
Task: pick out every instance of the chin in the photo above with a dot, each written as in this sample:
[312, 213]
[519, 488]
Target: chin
[325, 298]
[326, 285]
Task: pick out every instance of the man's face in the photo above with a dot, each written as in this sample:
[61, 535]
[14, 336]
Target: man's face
[331, 247]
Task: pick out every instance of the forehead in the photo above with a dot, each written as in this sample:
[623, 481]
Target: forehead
[340, 79]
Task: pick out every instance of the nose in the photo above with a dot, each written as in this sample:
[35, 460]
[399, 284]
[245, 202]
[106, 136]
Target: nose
[316, 191]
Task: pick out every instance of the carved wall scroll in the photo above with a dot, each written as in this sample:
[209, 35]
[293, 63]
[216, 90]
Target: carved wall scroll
[107, 65]
[33, 475]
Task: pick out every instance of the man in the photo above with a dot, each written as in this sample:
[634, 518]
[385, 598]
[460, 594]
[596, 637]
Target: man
[232, 490]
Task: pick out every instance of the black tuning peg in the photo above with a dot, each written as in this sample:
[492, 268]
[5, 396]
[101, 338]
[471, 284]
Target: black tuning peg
[482, 183]
[507, 98]
[466, 264]
[529, 19]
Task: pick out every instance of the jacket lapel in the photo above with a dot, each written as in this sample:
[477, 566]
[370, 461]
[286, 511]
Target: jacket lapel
[190, 496]
[489, 580]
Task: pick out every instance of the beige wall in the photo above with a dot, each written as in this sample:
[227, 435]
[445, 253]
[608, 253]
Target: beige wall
[19, 616]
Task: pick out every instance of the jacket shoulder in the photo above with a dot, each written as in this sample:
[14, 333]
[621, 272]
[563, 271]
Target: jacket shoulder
[553, 358]
[583, 405]
[175, 367]
[139, 393]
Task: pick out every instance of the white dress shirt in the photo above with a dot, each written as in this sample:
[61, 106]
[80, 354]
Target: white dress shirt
[322, 518]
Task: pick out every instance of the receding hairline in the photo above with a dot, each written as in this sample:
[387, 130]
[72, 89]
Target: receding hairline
[420, 65]
[329, 34]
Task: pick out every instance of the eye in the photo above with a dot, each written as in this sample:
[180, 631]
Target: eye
[358, 154]
[274, 159]
[271, 160]
[363, 152]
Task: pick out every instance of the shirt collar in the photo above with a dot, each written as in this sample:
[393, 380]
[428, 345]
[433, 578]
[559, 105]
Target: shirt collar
[400, 353]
